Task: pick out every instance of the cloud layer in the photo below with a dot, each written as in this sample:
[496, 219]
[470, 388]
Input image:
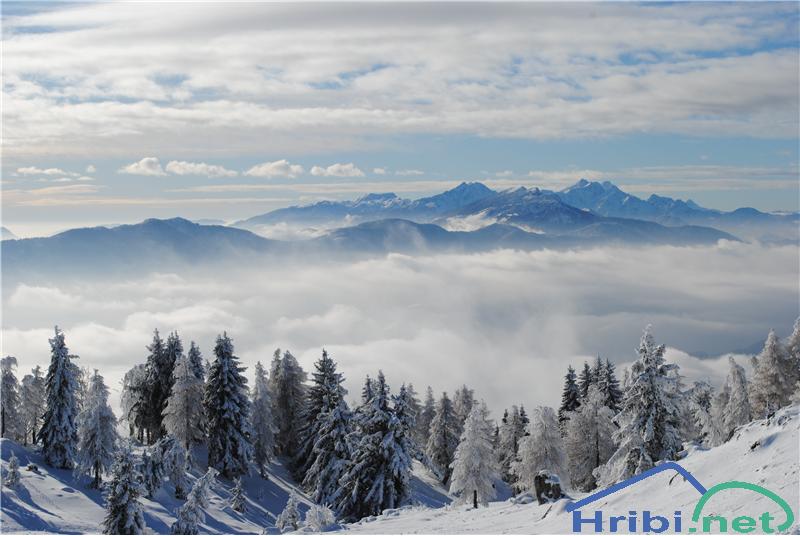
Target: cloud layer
[507, 323]
[128, 78]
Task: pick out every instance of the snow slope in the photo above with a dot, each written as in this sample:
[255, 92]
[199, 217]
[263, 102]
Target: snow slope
[763, 452]
[55, 501]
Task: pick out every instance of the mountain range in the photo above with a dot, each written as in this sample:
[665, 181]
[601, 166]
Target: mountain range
[468, 218]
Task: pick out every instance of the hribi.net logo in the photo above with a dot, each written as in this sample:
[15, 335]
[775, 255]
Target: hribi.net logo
[587, 519]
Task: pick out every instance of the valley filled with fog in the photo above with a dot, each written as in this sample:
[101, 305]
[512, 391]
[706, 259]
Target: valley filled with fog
[505, 322]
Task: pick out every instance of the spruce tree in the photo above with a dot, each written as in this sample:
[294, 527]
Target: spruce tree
[183, 416]
[474, 465]
[196, 362]
[442, 439]
[33, 401]
[648, 417]
[263, 421]
[174, 464]
[589, 441]
[11, 425]
[97, 433]
[289, 519]
[608, 384]
[323, 396]
[134, 400]
[425, 417]
[570, 396]
[542, 449]
[228, 412]
[191, 513]
[585, 379]
[730, 408]
[286, 386]
[59, 433]
[415, 409]
[123, 509]
[377, 477]
[771, 387]
[158, 386]
[463, 399]
[512, 430]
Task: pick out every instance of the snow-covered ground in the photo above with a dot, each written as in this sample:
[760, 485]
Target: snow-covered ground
[766, 453]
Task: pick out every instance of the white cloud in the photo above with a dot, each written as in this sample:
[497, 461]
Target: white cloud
[337, 170]
[149, 166]
[90, 168]
[493, 320]
[276, 169]
[33, 170]
[379, 171]
[198, 168]
[409, 172]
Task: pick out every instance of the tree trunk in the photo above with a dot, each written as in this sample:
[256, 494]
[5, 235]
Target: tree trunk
[475, 499]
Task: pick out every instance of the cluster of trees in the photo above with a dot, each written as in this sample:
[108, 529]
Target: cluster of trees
[355, 462]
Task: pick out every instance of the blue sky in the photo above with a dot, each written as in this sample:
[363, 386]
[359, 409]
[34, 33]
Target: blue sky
[118, 112]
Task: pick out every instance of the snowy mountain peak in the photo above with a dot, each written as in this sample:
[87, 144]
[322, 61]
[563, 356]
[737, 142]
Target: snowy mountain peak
[383, 198]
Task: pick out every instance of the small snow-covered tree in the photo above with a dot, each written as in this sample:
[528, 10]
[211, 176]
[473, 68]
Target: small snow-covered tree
[10, 419]
[191, 514]
[238, 500]
[772, 385]
[134, 400]
[183, 415]
[474, 465]
[12, 476]
[731, 407]
[151, 470]
[648, 417]
[59, 432]
[228, 412]
[319, 518]
[541, 450]
[173, 464]
[263, 421]
[32, 403]
[589, 442]
[288, 394]
[570, 396]
[289, 519]
[700, 404]
[97, 433]
[442, 439]
[123, 510]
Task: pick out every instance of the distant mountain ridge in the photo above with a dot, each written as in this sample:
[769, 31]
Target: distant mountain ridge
[582, 204]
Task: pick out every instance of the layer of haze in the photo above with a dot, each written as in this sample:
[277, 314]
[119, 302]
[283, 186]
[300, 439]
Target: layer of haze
[507, 323]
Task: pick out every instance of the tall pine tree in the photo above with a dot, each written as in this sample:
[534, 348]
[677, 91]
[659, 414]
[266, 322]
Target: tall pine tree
[59, 432]
[263, 421]
[97, 432]
[183, 415]
[474, 464]
[11, 425]
[228, 412]
[772, 385]
[570, 396]
[442, 439]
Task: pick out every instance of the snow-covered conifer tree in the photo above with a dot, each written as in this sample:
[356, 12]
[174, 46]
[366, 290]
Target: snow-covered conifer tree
[174, 463]
[648, 417]
[322, 396]
[425, 417]
[263, 421]
[463, 399]
[32, 403]
[570, 396]
[541, 450]
[97, 433]
[156, 388]
[183, 415]
[196, 362]
[12, 476]
[442, 439]
[10, 418]
[289, 519]
[700, 404]
[415, 409]
[512, 429]
[793, 353]
[328, 434]
[134, 400]
[377, 477]
[151, 470]
[59, 433]
[608, 384]
[589, 442]
[771, 387]
[319, 518]
[228, 412]
[191, 514]
[731, 407]
[288, 395]
[123, 510]
[238, 500]
[474, 465]
[585, 379]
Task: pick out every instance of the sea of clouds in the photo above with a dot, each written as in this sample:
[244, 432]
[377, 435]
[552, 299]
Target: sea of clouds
[507, 323]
